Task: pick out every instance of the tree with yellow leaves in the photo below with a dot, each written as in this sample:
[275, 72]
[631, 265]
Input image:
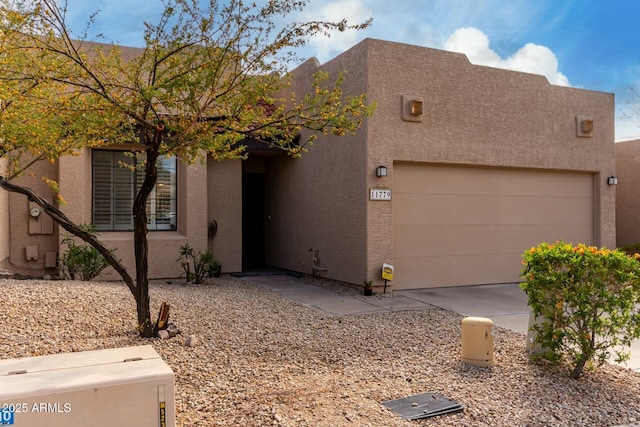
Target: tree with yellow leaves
[210, 75]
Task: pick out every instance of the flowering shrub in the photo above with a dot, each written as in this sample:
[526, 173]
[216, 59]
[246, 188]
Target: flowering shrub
[587, 300]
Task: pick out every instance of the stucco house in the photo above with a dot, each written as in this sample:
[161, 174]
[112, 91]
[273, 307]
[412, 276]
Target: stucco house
[627, 195]
[461, 168]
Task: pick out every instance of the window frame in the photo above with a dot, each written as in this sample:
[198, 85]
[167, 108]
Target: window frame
[114, 202]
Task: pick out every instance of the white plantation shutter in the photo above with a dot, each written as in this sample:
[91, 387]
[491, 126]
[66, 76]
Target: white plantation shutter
[164, 197]
[115, 184]
[102, 200]
[123, 191]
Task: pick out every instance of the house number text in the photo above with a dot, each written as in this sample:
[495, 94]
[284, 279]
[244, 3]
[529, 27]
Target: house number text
[380, 194]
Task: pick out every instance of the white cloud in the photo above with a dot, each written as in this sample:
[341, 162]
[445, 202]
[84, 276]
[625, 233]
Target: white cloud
[530, 58]
[354, 11]
[475, 44]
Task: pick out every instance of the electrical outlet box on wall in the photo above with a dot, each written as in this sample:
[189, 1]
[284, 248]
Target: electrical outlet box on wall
[31, 253]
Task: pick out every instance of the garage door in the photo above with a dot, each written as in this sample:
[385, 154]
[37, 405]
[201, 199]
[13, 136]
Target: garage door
[465, 226]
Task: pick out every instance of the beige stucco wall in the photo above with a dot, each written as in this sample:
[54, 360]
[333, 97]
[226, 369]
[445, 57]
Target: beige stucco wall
[19, 221]
[627, 194]
[224, 202]
[319, 201]
[475, 115]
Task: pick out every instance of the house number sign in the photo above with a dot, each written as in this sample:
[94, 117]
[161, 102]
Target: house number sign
[379, 194]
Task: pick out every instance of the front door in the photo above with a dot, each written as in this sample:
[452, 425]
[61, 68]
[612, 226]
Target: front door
[253, 220]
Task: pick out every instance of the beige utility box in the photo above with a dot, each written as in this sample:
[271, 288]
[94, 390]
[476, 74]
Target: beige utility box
[477, 341]
[129, 386]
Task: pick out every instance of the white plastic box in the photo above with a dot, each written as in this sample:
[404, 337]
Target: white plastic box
[130, 386]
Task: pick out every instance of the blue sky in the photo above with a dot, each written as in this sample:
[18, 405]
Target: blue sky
[590, 44]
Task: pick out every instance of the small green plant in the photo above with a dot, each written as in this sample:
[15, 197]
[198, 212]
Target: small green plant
[198, 265]
[588, 300]
[82, 262]
[368, 287]
[215, 268]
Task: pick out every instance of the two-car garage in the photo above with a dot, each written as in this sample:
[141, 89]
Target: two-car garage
[455, 225]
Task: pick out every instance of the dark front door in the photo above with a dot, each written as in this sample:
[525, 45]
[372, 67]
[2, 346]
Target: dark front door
[253, 220]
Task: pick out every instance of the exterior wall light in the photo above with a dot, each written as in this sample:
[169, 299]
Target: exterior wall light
[612, 180]
[381, 171]
[415, 107]
[584, 126]
[412, 108]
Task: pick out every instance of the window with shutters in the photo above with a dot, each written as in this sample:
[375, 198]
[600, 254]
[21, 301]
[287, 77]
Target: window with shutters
[117, 177]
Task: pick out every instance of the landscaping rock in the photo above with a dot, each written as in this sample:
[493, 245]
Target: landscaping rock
[191, 341]
[255, 358]
[173, 330]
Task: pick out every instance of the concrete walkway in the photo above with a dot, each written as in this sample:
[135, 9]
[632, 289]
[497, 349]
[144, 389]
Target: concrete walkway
[504, 304]
[331, 302]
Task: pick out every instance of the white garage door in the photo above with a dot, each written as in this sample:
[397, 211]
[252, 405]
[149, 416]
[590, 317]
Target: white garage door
[464, 226]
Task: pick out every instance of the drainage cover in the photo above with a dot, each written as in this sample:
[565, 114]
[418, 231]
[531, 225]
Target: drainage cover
[423, 405]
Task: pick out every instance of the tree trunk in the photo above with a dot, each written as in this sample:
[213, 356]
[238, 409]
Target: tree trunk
[140, 230]
[577, 370]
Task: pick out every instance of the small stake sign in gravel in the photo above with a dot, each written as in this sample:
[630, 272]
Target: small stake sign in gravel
[423, 405]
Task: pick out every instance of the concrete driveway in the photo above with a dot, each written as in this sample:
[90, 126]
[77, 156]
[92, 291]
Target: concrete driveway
[505, 304]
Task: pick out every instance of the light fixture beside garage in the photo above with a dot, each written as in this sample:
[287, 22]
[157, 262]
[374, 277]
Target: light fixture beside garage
[612, 180]
[381, 171]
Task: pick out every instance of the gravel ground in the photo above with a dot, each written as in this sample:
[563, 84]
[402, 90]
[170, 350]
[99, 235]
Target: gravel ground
[268, 361]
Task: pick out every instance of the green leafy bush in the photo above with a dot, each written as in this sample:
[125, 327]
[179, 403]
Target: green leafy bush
[82, 262]
[203, 264]
[587, 300]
